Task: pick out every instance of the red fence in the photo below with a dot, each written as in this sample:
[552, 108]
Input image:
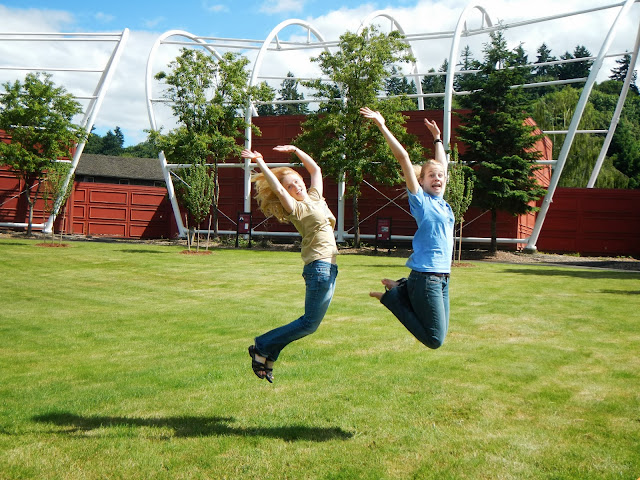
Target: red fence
[593, 221]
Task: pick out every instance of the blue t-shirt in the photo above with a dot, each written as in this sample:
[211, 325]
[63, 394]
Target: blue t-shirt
[433, 242]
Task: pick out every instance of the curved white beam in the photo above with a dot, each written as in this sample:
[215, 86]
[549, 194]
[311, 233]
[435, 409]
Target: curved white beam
[451, 68]
[151, 58]
[395, 24]
[257, 65]
[182, 231]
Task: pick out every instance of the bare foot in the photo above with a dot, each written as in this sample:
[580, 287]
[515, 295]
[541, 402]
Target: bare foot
[389, 284]
[377, 295]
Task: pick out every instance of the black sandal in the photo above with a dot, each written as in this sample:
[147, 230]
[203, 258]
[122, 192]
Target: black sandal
[260, 368]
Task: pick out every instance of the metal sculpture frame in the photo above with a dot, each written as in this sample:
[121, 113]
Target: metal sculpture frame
[460, 31]
[95, 100]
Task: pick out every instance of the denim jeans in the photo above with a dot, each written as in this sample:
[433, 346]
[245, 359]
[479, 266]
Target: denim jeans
[421, 303]
[320, 280]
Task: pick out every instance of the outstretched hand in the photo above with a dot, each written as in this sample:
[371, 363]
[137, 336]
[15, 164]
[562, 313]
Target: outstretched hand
[285, 148]
[433, 127]
[377, 117]
[249, 154]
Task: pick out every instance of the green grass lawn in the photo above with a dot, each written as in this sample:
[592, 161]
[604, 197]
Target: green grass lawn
[129, 361]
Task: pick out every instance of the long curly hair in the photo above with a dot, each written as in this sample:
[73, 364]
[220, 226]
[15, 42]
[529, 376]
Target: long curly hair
[268, 201]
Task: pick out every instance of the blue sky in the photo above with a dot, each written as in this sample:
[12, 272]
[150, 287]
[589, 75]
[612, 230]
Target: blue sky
[125, 102]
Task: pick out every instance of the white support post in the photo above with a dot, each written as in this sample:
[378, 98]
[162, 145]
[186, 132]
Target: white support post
[616, 114]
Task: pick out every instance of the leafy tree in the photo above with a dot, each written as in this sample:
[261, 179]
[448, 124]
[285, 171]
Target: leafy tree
[459, 192]
[499, 142]
[343, 144]
[56, 190]
[207, 98]
[38, 117]
[196, 192]
[289, 91]
[144, 149]
[464, 82]
[544, 56]
[267, 109]
[554, 112]
[112, 142]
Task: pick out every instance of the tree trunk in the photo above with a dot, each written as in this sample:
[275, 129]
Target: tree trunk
[356, 221]
[460, 242]
[216, 194]
[494, 237]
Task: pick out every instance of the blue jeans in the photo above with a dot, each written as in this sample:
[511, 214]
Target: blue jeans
[421, 303]
[320, 280]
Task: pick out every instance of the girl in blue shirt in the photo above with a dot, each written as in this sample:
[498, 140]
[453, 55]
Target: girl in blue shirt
[421, 302]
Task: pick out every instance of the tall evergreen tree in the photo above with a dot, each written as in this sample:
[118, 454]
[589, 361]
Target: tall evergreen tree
[619, 73]
[435, 84]
[289, 91]
[400, 85]
[500, 145]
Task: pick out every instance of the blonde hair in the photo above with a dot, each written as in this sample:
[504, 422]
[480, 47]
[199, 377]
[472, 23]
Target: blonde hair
[268, 201]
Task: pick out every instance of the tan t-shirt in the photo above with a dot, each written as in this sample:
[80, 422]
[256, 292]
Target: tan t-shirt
[314, 221]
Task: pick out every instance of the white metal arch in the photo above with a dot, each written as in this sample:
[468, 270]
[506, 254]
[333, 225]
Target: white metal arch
[166, 172]
[253, 80]
[414, 67]
[461, 27]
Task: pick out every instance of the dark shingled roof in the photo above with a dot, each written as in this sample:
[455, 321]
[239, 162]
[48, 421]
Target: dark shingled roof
[119, 167]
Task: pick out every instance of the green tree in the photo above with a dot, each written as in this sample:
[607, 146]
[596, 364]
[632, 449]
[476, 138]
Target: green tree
[38, 117]
[619, 73]
[399, 85]
[145, 149]
[435, 84]
[56, 190]
[289, 91]
[267, 109]
[339, 139]
[554, 112]
[197, 192]
[500, 145]
[575, 69]
[459, 193]
[208, 98]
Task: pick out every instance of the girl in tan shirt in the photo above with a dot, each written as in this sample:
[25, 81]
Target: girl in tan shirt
[281, 192]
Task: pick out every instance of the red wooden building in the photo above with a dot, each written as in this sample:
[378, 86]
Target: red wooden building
[126, 198]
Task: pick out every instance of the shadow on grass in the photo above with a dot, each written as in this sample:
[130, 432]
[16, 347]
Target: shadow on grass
[188, 426]
[594, 274]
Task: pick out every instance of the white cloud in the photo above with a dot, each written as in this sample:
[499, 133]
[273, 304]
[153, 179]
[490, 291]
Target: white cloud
[282, 6]
[124, 104]
[102, 17]
[152, 23]
[215, 8]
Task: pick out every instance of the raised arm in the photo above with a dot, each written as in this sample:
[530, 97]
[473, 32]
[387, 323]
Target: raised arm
[440, 154]
[309, 163]
[287, 200]
[396, 148]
